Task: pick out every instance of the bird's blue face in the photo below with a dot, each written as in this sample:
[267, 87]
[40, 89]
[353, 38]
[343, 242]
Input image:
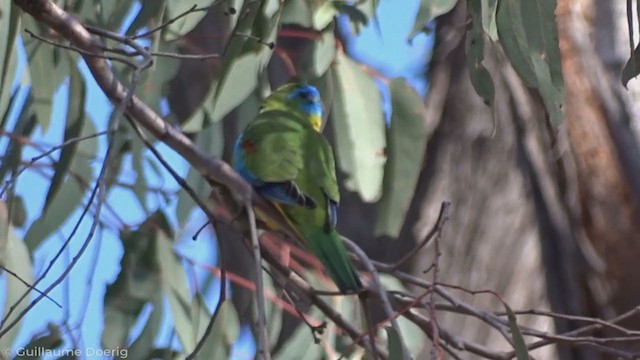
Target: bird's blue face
[308, 100]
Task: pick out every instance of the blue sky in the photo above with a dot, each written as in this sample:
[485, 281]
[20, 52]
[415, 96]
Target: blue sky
[392, 56]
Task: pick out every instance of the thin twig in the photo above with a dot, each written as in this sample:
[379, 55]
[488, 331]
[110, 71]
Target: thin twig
[80, 51]
[47, 153]
[263, 336]
[443, 216]
[32, 287]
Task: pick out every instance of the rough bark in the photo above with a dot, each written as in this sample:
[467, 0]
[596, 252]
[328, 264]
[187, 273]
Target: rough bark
[598, 121]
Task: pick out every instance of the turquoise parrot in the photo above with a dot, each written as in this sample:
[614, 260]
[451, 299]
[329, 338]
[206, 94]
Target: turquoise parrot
[283, 155]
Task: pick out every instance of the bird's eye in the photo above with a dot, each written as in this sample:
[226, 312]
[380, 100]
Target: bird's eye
[305, 95]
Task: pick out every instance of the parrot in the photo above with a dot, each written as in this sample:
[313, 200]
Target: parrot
[287, 160]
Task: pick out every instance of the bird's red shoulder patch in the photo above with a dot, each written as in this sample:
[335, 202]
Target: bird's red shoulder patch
[248, 146]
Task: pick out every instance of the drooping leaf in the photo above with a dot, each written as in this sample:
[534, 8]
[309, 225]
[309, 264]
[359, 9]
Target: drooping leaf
[632, 67]
[396, 350]
[474, 44]
[513, 39]
[298, 13]
[325, 13]
[320, 56]
[406, 145]
[44, 82]
[176, 288]
[300, 344]
[224, 334]
[138, 283]
[143, 345]
[186, 23]
[23, 128]
[73, 128]
[8, 54]
[429, 10]
[15, 257]
[359, 127]
[519, 344]
[71, 192]
[489, 8]
[527, 32]
[540, 26]
[413, 337]
[245, 58]
[17, 211]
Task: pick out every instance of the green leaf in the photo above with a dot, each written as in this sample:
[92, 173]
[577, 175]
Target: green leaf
[538, 19]
[44, 81]
[396, 350]
[359, 128]
[516, 335]
[143, 345]
[300, 344]
[326, 12]
[407, 142]
[489, 9]
[245, 58]
[70, 194]
[8, 54]
[323, 52]
[24, 127]
[16, 258]
[297, 13]
[513, 39]
[225, 332]
[429, 10]
[528, 34]
[475, 40]
[632, 67]
[73, 128]
[17, 211]
[137, 284]
[186, 23]
[175, 286]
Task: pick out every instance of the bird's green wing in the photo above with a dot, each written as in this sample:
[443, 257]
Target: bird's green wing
[322, 166]
[273, 148]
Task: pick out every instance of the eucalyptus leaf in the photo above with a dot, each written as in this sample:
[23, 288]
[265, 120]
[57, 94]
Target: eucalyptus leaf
[143, 345]
[407, 142]
[428, 11]
[245, 59]
[184, 24]
[475, 45]
[70, 194]
[8, 54]
[519, 344]
[225, 332]
[359, 128]
[73, 128]
[176, 288]
[15, 257]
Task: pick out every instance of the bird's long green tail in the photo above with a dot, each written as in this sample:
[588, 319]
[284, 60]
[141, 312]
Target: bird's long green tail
[329, 249]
